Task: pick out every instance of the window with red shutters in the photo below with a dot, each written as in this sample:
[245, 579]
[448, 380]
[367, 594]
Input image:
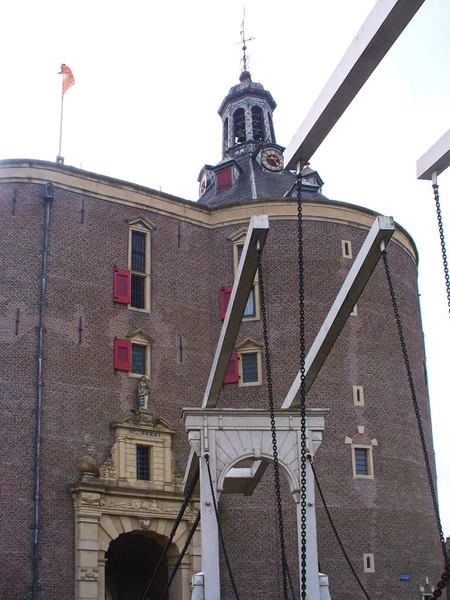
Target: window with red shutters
[224, 179]
[225, 294]
[122, 286]
[122, 355]
[232, 374]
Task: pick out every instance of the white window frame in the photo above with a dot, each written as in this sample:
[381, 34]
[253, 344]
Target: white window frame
[249, 346]
[140, 338]
[367, 447]
[141, 225]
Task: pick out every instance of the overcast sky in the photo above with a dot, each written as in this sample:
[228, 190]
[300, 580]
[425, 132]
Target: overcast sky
[151, 75]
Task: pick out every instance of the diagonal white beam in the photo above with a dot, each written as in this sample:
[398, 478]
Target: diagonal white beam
[245, 276]
[382, 27]
[355, 282]
[436, 159]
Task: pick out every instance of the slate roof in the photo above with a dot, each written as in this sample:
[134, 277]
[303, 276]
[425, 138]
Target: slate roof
[266, 185]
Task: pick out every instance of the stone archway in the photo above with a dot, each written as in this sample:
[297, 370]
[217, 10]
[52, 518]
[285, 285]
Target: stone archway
[130, 562]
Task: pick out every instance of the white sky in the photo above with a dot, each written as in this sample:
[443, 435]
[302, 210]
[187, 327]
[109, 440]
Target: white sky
[151, 75]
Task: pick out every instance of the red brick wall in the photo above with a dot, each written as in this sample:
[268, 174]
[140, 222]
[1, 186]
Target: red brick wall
[82, 394]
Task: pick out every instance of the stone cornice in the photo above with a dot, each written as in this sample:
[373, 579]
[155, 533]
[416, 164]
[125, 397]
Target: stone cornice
[133, 195]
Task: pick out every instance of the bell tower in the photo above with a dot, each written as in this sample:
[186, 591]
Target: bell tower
[246, 113]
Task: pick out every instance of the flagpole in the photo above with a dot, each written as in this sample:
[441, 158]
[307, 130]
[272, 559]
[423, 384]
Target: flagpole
[60, 158]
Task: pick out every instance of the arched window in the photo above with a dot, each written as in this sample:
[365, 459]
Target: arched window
[225, 135]
[239, 126]
[272, 132]
[258, 124]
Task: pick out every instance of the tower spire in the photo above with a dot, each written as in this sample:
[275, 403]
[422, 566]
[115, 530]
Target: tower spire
[245, 59]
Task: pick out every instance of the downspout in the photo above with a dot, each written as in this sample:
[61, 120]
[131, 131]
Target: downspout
[47, 196]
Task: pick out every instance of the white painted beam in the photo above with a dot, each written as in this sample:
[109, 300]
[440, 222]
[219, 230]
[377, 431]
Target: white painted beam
[380, 30]
[436, 159]
[245, 276]
[244, 480]
[355, 282]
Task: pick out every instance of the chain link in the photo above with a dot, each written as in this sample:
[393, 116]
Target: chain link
[301, 289]
[442, 238]
[219, 529]
[284, 563]
[446, 574]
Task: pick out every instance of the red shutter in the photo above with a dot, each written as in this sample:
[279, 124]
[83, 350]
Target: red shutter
[122, 355]
[225, 294]
[122, 286]
[232, 374]
[224, 181]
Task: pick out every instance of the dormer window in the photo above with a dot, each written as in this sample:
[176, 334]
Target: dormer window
[239, 126]
[258, 123]
[224, 179]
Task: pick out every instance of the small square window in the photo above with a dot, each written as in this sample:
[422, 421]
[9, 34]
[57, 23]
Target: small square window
[143, 463]
[138, 359]
[249, 363]
[347, 249]
[361, 461]
[249, 368]
[358, 395]
[369, 563]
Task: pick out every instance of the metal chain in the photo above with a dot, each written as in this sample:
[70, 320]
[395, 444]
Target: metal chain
[182, 553]
[185, 504]
[276, 465]
[333, 527]
[301, 288]
[442, 238]
[219, 529]
[446, 573]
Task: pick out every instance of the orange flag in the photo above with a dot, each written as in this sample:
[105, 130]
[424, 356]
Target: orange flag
[68, 78]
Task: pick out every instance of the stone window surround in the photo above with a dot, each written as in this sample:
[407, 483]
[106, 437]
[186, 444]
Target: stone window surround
[141, 338]
[364, 440]
[249, 346]
[142, 225]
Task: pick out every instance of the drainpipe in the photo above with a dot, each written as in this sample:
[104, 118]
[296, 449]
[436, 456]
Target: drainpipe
[47, 196]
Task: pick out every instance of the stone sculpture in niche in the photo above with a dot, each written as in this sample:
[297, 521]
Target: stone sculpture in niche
[143, 392]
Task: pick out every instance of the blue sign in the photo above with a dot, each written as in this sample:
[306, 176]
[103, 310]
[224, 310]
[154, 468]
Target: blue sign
[405, 577]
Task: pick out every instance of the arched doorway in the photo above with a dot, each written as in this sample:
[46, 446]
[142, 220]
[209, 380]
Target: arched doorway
[130, 561]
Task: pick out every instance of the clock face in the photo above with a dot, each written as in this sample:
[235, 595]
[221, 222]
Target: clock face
[272, 160]
[203, 183]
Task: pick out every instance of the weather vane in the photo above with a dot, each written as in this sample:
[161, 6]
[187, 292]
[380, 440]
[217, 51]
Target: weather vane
[245, 59]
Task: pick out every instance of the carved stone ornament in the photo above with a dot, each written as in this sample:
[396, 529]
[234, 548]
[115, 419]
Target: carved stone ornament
[149, 506]
[108, 469]
[143, 417]
[92, 499]
[144, 524]
[90, 574]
